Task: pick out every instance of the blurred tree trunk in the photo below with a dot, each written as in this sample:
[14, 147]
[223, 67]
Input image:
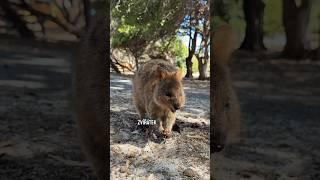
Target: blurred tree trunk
[221, 9]
[13, 17]
[194, 22]
[203, 61]
[295, 22]
[87, 12]
[316, 54]
[253, 12]
[192, 50]
[202, 65]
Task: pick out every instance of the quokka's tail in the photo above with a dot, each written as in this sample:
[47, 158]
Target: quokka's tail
[225, 41]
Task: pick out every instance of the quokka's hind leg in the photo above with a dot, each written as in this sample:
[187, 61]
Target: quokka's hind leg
[140, 108]
[142, 112]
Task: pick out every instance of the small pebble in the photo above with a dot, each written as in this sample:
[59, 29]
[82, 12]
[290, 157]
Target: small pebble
[189, 172]
[123, 169]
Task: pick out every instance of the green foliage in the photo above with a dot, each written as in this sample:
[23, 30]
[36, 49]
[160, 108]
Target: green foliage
[273, 17]
[180, 64]
[123, 35]
[174, 47]
[195, 64]
[315, 17]
[221, 9]
[234, 15]
[178, 50]
[139, 22]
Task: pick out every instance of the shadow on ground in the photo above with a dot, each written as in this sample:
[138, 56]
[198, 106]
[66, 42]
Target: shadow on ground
[280, 121]
[38, 136]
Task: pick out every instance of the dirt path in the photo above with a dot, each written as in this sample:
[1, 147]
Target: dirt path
[134, 156]
[280, 103]
[38, 139]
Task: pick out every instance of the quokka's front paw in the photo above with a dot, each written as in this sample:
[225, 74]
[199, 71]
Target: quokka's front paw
[167, 133]
[154, 135]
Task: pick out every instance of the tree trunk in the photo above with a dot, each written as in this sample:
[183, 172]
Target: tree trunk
[202, 65]
[114, 67]
[295, 22]
[12, 16]
[87, 12]
[316, 54]
[253, 12]
[203, 61]
[192, 50]
[189, 65]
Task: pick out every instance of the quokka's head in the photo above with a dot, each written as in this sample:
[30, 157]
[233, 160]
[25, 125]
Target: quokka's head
[169, 90]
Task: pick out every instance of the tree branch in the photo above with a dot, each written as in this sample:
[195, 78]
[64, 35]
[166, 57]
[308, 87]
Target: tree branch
[65, 26]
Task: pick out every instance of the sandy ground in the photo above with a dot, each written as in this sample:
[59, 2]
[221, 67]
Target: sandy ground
[279, 139]
[133, 156]
[38, 138]
[280, 102]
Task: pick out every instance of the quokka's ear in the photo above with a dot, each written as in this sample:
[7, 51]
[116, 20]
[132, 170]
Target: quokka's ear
[164, 74]
[179, 74]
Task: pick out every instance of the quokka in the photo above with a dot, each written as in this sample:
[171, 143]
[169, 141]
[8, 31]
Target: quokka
[89, 90]
[226, 108]
[158, 93]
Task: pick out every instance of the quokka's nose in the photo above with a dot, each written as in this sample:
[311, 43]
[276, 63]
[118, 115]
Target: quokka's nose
[176, 106]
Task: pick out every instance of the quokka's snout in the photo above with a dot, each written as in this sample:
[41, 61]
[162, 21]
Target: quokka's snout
[170, 93]
[176, 105]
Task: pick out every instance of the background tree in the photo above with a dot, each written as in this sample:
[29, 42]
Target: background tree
[12, 16]
[66, 14]
[289, 22]
[193, 35]
[196, 25]
[220, 9]
[295, 22]
[316, 52]
[253, 14]
[140, 23]
[203, 52]
[87, 12]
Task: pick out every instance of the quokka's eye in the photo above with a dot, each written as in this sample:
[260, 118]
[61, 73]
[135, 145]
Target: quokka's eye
[168, 94]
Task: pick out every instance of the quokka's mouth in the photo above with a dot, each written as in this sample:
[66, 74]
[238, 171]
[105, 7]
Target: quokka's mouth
[175, 108]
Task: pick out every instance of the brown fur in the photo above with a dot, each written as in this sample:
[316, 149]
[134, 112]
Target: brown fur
[89, 83]
[226, 105]
[158, 93]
